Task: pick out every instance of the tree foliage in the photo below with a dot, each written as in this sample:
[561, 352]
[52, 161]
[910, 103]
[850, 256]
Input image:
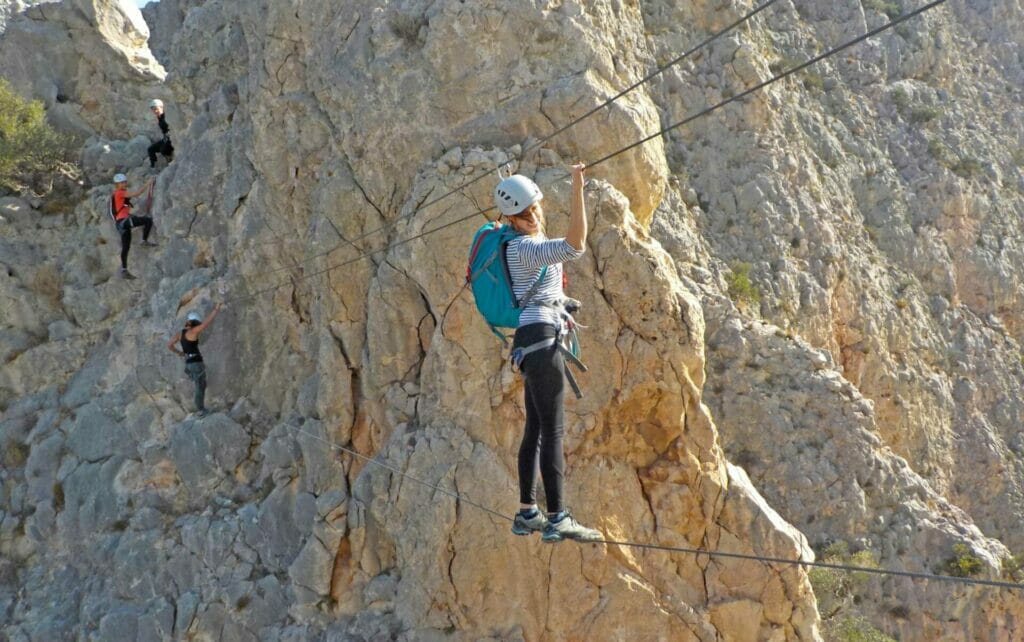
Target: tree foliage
[27, 142]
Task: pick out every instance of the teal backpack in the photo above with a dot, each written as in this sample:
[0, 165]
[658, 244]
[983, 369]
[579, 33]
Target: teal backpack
[488, 275]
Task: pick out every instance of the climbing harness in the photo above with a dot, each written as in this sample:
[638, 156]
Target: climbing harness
[570, 353]
[488, 275]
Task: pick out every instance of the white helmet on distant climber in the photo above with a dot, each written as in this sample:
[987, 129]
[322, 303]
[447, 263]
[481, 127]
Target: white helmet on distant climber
[120, 178]
[516, 193]
[193, 316]
[156, 102]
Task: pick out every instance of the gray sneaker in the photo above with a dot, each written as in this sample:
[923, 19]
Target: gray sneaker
[569, 528]
[523, 526]
[125, 274]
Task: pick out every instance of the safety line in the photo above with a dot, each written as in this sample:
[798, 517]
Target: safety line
[607, 157]
[360, 257]
[538, 143]
[764, 84]
[828, 565]
[680, 549]
[654, 73]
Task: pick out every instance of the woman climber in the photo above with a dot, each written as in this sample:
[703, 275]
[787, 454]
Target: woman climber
[162, 146]
[194, 367]
[536, 348]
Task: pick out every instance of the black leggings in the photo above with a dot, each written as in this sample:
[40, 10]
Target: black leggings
[162, 146]
[541, 448]
[125, 228]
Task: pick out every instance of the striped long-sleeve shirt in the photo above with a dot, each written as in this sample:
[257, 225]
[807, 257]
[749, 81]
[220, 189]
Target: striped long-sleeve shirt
[526, 256]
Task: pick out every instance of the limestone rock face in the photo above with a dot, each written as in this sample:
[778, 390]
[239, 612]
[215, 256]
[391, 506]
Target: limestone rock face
[89, 63]
[9, 8]
[874, 215]
[163, 20]
[311, 137]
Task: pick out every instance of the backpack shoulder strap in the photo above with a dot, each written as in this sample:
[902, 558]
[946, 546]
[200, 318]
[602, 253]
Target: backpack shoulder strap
[528, 296]
[521, 303]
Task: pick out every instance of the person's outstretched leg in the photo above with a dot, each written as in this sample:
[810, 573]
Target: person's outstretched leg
[152, 150]
[529, 451]
[197, 373]
[146, 223]
[147, 227]
[545, 376]
[200, 396]
[529, 519]
[126, 245]
[545, 384]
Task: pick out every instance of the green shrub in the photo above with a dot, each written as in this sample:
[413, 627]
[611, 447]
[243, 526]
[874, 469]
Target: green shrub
[924, 114]
[901, 99]
[58, 497]
[836, 552]
[1013, 568]
[890, 9]
[963, 563]
[967, 167]
[855, 629]
[937, 150]
[813, 81]
[1018, 157]
[27, 142]
[837, 592]
[740, 287]
[15, 455]
[784, 63]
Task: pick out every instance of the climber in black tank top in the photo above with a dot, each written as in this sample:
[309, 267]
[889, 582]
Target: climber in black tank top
[188, 338]
[189, 347]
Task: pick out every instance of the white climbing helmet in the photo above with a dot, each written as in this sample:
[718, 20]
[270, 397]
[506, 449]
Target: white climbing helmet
[120, 178]
[156, 102]
[193, 316]
[515, 193]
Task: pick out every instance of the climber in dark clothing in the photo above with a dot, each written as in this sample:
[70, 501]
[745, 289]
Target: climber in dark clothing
[194, 367]
[162, 146]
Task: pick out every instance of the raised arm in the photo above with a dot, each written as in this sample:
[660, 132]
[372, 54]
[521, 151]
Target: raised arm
[209, 318]
[141, 190]
[172, 345]
[577, 235]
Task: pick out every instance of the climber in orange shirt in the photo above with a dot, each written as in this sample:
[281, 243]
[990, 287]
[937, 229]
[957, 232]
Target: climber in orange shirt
[125, 221]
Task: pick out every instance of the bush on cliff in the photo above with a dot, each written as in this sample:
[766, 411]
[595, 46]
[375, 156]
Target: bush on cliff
[28, 145]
